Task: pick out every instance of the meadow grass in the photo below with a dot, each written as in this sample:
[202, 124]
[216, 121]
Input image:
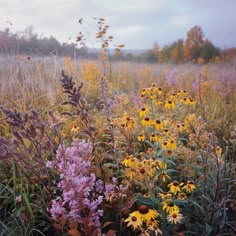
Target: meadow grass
[117, 148]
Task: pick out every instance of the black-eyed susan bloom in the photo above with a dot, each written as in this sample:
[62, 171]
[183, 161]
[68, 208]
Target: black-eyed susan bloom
[74, 129]
[144, 111]
[134, 220]
[146, 213]
[147, 121]
[171, 144]
[169, 104]
[153, 137]
[165, 195]
[169, 207]
[158, 124]
[189, 187]
[175, 187]
[182, 196]
[174, 218]
[141, 138]
[164, 145]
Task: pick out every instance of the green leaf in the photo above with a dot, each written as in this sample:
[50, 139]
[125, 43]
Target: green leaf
[144, 201]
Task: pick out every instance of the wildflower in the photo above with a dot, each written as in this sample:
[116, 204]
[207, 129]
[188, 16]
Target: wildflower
[189, 187]
[146, 121]
[171, 144]
[130, 173]
[143, 112]
[146, 214]
[129, 122]
[18, 199]
[174, 217]
[162, 165]
[134, 220]
[165, 195]
[158, 124]
[154, 229]
[170, 207]
[182, 196]
[158, 102]
[168, 152]
[127, 161]
[141, 138]
[164, 145]
[74, 129]
[169, 104]
[175, 187]
[153, 138]
[218, 151]
[164, 176]
[181, 127]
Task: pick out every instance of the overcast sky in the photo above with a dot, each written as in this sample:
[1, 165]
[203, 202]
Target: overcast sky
[136, 23]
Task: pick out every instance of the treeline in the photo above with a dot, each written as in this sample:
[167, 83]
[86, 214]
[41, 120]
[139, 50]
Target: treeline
[28, 43]
[195, 48]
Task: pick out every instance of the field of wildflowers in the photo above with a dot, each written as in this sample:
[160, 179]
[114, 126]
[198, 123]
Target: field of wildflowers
[99, 148]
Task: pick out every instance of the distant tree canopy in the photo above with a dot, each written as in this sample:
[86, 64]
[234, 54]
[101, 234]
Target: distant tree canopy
[27, 42]
[194, 49]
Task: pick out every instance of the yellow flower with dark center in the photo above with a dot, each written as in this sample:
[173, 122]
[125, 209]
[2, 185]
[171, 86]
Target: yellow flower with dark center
[166, 132]
[164, 145]
[189, 187]
[185, 101]
[158, 124]
[144, 92]
[74, 129]
[174, 217]
[130, 173]
[153, 137]
[146, 121]
[182, 196]
[171, 144]
[134, 220]
[169, 104]
[146, 213]
[143, 112]
[165, 195]
[127, 161]
[141, 138]
[173, 97]
[181, 127]
[170, 207]
[175, 187]
[191, 101]
[159, 91]
[129, 122]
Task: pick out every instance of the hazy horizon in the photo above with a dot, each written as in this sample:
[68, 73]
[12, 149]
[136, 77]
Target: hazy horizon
[135, 23]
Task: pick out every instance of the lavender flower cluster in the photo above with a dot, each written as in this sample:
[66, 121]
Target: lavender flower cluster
[81, 192]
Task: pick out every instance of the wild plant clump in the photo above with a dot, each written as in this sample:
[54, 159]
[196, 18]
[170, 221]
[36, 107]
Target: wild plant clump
[119, 158]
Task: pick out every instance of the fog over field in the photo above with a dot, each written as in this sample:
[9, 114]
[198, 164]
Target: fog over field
[136, 23]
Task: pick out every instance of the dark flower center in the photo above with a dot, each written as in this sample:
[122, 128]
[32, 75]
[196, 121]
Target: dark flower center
[143, 209]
